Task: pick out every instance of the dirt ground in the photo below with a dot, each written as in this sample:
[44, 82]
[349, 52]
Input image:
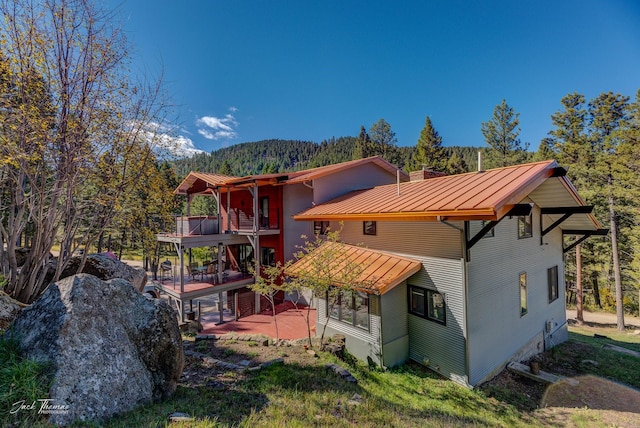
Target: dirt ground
[595, 400]
[250, 353]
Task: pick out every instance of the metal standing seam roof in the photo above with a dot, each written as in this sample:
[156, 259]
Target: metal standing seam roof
[197, 182]
[375, 272]
[487, 195]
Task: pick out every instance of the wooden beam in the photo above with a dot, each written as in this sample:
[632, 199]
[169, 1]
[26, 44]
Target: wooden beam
[567, 211]
[585, 209]
[585, 234]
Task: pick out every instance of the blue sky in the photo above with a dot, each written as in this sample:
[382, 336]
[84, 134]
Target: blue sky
[246, 70]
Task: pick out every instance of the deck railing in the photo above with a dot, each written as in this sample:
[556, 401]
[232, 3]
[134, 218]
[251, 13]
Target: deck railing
[208, 225]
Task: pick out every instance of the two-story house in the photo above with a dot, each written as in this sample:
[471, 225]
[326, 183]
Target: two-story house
[464, 272]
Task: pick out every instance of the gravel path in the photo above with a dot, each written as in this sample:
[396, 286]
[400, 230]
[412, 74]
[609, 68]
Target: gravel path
[604, 318]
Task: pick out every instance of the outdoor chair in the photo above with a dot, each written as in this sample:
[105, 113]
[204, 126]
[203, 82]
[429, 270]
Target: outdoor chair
[165, 269]
[191, 270]
[211, 270]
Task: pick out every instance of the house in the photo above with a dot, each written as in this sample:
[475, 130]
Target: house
[464, 273]
[254, 226]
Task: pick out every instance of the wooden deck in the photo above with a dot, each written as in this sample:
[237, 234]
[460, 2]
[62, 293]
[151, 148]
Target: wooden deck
[201, 287]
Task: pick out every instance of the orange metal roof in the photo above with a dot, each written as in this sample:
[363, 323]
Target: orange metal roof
[311, 174]
[377, 271]
[197, 182]
[486, 195]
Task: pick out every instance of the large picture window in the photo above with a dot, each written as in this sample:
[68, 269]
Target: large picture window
[552, 283]
[428, 304]
[351, 307]
[523, 294]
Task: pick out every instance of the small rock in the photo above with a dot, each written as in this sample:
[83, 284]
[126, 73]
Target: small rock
[200, 337]
[210, 362]
[592, 362]
[265, 342]
[356, 400]
[312, 353]
[180, 417]
[272, 362]
[244, 363]
[351, 379]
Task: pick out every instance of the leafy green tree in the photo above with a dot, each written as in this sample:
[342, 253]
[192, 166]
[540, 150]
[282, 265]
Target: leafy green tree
[83, 136]
[501, 135]
[269, 284]
[316, 271]
[429, 151]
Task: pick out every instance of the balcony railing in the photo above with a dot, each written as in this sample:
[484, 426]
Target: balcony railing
[208, 225]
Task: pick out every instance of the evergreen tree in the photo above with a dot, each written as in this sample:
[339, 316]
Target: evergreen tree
[456, 165]
[225, 168]
[608, 114]
[545, 150]
[501, 134]
[384, 142]
[429, 151]
[364, 146]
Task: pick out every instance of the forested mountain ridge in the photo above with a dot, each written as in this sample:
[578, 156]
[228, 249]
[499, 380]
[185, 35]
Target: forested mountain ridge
[269, 156]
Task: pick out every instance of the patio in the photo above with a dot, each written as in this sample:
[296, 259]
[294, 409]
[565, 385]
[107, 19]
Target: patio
[291, 323]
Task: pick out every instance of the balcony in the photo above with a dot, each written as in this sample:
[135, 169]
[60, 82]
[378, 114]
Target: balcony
[202, 231]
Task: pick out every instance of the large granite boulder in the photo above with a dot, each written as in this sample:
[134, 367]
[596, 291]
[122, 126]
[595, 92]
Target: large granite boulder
[110, 348]
[106, 267]
[9, 310]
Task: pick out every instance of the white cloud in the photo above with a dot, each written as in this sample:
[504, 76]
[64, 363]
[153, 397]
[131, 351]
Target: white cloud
[215, 128]
[233, 109]
[164, 139]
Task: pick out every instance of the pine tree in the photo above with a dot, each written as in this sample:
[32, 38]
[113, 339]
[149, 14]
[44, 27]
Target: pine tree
[456, 165]
[429, 151]
[501, 134]
[363, 147]
[608, 114]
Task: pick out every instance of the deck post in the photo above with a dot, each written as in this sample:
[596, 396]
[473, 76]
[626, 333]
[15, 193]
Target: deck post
[181, 257]
[228, 209]
[220, 264]
[220, 307]
[235, 305]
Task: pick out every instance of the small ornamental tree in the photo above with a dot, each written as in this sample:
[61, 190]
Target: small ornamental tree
[268, 285]
[324, 268]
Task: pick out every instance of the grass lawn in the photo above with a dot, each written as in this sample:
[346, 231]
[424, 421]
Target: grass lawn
[302, 392]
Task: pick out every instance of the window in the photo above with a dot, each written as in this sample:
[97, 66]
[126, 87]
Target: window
[523, 294]
[552, 283]
[267, 256]
[369, 227]
[416, 301]
[525, 228]
[427, 304]
[264, 212]
[351, 307]
[320, 227]
[489, 234]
